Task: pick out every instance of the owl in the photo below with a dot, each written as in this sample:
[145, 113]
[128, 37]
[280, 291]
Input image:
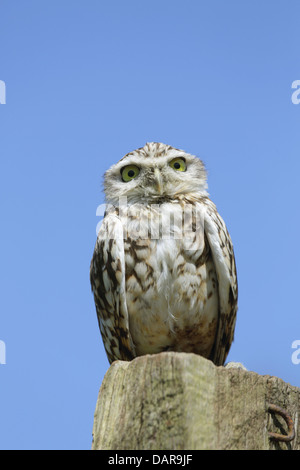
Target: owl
[163, 271]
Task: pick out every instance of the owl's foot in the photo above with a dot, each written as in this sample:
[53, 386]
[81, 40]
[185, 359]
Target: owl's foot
[235, 365]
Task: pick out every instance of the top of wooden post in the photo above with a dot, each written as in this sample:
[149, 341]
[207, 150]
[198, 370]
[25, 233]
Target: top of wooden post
[177, 401]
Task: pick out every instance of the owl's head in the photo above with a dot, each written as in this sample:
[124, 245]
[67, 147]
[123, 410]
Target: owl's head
[153, 174]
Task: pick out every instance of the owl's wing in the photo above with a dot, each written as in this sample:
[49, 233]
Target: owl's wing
[107, 276]
[224, 260]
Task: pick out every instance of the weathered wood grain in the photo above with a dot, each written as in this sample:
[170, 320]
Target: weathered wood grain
[180, 401]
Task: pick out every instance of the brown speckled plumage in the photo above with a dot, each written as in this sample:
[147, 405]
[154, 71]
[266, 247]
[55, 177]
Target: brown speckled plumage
[156, 289]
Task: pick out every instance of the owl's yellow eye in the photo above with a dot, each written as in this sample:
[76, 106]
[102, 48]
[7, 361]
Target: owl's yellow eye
[178, 164]
[129, 172]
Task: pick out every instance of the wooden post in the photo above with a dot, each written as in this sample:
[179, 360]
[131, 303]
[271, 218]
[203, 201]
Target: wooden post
[180, 401]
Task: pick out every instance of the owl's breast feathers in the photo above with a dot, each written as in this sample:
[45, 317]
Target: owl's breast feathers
[159, 288]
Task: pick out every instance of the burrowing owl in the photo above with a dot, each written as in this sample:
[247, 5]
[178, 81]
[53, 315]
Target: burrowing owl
[163, 271]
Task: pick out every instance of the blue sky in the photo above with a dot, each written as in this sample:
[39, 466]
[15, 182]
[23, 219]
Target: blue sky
[88, 81]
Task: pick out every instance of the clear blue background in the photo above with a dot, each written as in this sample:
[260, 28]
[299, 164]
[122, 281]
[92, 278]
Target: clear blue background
[88, 81]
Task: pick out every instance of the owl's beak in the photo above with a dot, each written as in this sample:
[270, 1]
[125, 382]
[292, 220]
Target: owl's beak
[158, 181]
